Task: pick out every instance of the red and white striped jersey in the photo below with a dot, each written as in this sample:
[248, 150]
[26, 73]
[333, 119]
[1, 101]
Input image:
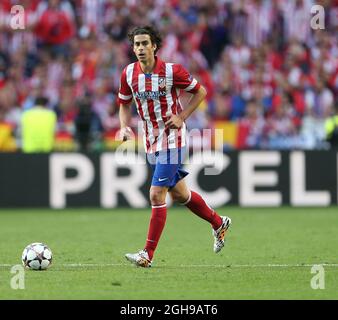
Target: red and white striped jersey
[157, 97]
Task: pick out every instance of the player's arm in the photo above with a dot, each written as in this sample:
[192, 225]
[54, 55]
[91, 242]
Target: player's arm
[176, 121]
[125, 116]
[124, 101]
[183, 80]
[193, 103]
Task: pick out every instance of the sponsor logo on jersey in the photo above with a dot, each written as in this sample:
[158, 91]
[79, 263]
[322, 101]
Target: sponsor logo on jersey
[149, 95]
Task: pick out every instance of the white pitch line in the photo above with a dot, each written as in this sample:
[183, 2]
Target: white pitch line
[97, 265]
[260, 265]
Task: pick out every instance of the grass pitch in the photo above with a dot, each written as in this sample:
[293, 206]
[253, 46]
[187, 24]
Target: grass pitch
[268, 255]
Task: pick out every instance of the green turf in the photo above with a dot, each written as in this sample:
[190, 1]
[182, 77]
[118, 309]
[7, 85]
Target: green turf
[185, 266]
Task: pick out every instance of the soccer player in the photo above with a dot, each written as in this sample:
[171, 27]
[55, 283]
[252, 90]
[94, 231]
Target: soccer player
[155, 85]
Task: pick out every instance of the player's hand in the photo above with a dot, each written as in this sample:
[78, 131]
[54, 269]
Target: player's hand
[175, 122]
[126, 133]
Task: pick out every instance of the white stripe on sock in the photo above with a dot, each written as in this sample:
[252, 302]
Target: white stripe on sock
[184, 203]
[161, 206]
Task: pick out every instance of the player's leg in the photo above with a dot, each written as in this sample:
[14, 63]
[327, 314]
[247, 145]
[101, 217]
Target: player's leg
[166, 174]
[163, 173]
[180, 192]
[158, 217]
[192, 200]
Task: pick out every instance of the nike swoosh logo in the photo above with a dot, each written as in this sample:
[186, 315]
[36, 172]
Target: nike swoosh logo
[162, 179]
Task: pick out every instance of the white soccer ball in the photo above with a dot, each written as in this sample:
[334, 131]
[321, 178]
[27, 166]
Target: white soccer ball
[37, 256]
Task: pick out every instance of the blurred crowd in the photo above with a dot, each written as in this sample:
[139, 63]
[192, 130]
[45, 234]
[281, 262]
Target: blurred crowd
[272, 80]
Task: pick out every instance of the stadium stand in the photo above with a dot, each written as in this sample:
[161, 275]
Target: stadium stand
[272, 80]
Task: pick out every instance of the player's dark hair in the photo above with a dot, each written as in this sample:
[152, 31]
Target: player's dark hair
[154, 35]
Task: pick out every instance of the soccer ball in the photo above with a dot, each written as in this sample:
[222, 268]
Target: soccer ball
[37, 256]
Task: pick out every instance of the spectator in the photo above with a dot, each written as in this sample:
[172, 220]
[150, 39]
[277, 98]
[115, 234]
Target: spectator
[280, 129]
[7, 141]
[66, 109]
[55, 26]
[88, 125]
[102, 102]
[297, 24]
[319, 101]
[250, 49]
[222, 106]
[331, 128]
[251, 127]
[38, 128]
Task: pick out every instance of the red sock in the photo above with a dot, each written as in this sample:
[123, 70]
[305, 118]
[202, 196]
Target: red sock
[198, 206]
[157, 222]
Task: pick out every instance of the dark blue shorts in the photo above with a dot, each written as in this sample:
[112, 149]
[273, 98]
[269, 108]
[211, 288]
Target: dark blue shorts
[167, 167]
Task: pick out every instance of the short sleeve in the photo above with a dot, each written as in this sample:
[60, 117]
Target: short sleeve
[125, 95]
[184, 80]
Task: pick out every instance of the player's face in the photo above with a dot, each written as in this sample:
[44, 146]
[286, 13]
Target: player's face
[143, 48]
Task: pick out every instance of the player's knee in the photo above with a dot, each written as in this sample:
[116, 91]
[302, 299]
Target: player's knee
[157, 197]
[179, 197]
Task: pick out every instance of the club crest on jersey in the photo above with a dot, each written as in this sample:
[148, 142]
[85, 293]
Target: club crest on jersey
[161, 82]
